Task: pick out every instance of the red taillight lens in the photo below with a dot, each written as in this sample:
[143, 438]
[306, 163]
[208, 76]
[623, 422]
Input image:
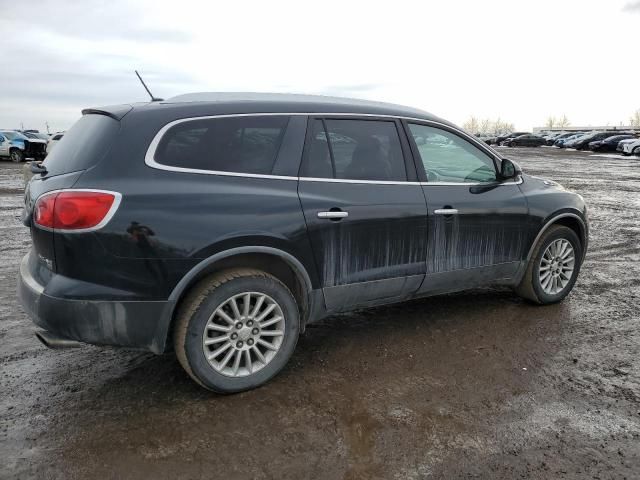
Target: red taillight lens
[73, 210]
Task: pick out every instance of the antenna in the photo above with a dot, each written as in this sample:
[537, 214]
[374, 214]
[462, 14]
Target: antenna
[153, 99]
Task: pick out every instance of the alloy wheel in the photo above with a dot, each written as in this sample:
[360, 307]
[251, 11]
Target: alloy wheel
[556, 266]
[244, 333]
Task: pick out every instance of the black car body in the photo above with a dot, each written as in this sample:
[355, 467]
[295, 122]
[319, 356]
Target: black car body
[505, 136]
[608, 144]
[527, 140]
[145, 211]
[583, 143]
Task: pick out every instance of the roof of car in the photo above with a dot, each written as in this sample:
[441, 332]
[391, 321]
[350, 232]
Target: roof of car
[218, 103]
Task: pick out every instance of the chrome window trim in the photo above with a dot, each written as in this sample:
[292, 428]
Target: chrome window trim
[150, 161]
[105, 220]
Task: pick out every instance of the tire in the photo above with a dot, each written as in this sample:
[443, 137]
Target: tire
[194, 321]
[531, 286]
[16, 156]
[636, 151]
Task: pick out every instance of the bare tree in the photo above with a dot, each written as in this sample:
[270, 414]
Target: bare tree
[500, 127]
[563, 122]
[485, 126]
[551, 122]
[472, 125]
[634, 121]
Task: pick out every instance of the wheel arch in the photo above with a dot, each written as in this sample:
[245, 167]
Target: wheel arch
[279, 263]
[574, 221]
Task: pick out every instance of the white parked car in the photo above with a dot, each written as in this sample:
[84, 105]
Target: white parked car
[629, 146]
[632, 147]
[55, 138]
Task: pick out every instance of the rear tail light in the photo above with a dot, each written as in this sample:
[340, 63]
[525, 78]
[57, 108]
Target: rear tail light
[75, 210]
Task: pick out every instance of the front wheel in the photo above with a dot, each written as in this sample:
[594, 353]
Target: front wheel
[17, 156]
[236, 330]
[553, 268]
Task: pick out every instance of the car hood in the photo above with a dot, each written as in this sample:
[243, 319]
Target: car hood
[546, 182]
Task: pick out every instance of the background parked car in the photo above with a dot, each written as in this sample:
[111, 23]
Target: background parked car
[551, 137]
[17, 146]
[608, 144]
[561, 136]
[37, 135]
[527, 140]
[501, 138]
[570, 141]
[630, 146]
[55, 138]
[583, 142]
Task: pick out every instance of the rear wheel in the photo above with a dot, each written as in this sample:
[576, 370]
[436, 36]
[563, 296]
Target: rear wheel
[553, 268]
[16, 156]
[236, 330]
[636, 151]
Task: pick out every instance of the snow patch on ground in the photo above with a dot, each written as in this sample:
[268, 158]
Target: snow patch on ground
[609, 155]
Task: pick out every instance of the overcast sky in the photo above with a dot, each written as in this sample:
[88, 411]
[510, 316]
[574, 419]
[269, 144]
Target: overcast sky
[520, 61]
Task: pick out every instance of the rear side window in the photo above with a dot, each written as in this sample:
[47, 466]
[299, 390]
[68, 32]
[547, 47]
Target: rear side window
[355, 150]
[247, 144]
[83, 145]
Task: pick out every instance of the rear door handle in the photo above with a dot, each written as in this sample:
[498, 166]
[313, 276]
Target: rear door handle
[333, 215]
[446, 211]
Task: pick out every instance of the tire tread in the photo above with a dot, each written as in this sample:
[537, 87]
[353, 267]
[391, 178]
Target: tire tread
[195, 297]
[525, 288]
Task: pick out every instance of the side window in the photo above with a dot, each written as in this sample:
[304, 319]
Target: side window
[234, 144]
[355, 150]
[449, 158]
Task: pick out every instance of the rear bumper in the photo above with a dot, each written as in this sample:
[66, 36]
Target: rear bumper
[124, 323]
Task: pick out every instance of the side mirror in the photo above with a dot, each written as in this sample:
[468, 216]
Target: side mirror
[509, 169]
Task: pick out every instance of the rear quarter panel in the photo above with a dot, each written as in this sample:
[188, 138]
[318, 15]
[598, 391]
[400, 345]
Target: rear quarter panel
[168, 222]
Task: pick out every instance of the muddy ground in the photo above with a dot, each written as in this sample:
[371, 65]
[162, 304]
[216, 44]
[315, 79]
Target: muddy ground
[474, 385]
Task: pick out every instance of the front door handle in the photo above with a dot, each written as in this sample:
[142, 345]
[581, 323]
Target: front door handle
[446, 211]
[333, 214]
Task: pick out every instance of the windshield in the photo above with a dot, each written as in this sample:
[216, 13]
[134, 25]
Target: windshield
[84, 145]
[13, 135]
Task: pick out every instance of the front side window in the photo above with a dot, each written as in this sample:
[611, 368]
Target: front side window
[449, 158]
[247, 144]
[355, 150]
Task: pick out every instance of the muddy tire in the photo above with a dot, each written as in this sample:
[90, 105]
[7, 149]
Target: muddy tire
[16, 156]
[553, 268]
[236, 330]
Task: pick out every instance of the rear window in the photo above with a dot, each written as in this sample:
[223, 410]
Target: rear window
[83, 145]
[233, 144]
[355, 150]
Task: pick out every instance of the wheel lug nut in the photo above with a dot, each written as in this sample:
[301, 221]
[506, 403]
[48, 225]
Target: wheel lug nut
[239, 344]
[250, 342]
[239, 325]
[255, 331]
[234, 336]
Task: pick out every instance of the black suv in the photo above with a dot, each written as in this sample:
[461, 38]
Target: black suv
[220, 225]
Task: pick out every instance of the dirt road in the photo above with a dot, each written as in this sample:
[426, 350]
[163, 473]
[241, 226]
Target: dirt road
[474, 385]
